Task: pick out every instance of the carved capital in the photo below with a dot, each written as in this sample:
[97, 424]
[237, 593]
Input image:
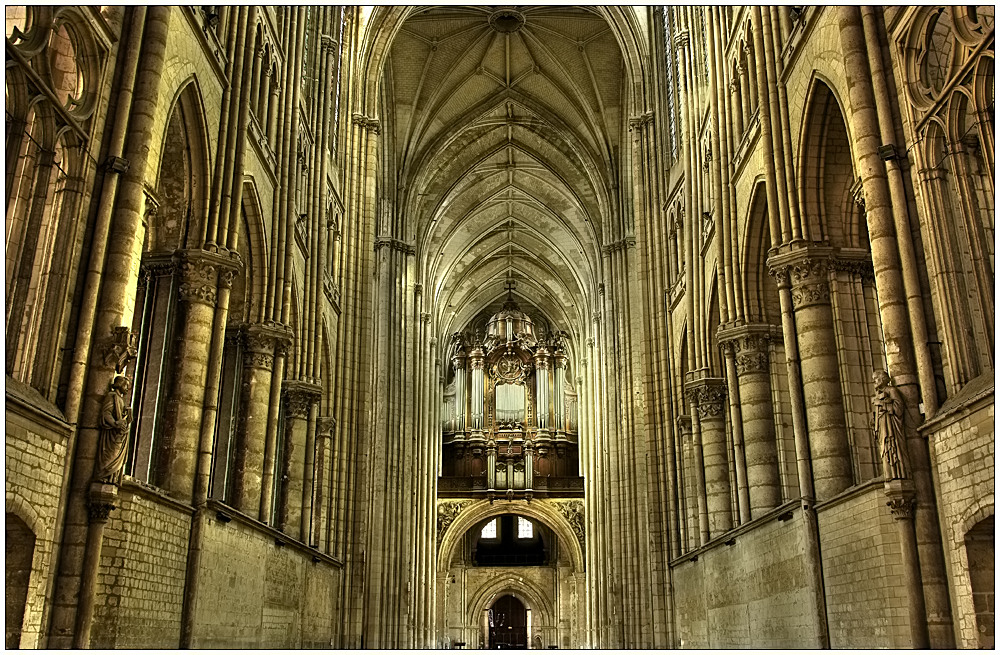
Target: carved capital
[901, 508]
[708, 395]
[749, 344]
[198, 277]
[260, 346]
[101, 499]
[299, 398]
[860, 267]
[396, 244]
[116, 165]
[640, 121]
[372, 125]
[325, 426]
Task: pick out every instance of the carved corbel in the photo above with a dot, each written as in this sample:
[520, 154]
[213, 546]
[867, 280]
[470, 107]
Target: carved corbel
[120, 348]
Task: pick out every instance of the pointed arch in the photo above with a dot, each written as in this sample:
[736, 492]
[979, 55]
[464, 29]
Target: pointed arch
[759, 287]
[826, 175]
[183, 174]
[253, 249]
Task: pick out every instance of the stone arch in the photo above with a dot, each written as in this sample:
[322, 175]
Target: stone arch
[826, 172]
[17, 505]
[759, 287]
[183, 194]
[482, 510]
[26, 571]
[254, 251]
[977, 511]
[524, 590]
[88, 59]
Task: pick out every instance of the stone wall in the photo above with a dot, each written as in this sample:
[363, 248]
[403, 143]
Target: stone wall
[751, 594]
[863, 571]
[254, 593]
[140, 588]
[963, 443]
[35, 453]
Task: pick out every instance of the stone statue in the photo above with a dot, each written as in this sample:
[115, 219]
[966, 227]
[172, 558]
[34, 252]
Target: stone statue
[887, 417]
[116, 417]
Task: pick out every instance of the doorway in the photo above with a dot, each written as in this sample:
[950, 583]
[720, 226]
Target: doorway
[19, 553]
[979, 548]
[508, 623]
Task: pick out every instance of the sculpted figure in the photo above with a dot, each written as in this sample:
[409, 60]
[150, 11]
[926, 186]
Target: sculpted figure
[887, 416]
[116, 416]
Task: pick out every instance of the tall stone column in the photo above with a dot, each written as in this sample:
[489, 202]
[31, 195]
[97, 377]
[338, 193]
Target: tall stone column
[299, 397]
[689, 526]
[709, 395]
[258, 361]
[804, 269]
[750, 343]
[325, 426]
[198, 287]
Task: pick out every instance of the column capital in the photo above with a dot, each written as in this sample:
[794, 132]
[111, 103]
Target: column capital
[708, 395]
[803, 268]
[261, 342]
[750, 345]
[299, 397]
[372, 125]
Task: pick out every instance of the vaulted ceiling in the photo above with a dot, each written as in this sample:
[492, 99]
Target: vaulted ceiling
[502, 133]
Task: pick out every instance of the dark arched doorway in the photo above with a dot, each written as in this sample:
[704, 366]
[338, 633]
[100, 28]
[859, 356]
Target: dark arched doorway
[979, 548]
[508, 623]
[19, 552]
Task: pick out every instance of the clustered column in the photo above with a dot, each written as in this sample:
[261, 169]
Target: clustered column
[258, 362]
[299, 397]
[197, 291]
[459, 362]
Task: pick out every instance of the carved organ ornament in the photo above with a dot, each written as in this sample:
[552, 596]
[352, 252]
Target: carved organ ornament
[509, 410]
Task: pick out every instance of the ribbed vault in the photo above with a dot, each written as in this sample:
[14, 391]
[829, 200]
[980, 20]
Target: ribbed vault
[503, 134]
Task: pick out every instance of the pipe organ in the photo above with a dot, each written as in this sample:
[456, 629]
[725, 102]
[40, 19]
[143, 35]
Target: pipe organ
[509, 413]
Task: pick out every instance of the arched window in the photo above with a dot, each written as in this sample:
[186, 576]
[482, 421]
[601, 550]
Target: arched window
[669, 75]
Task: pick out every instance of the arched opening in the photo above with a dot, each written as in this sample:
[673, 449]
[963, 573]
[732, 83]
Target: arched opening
[508, 620]
[175, 220]
[20, 550]
[511, 540]
[846, 310]
[980, 553]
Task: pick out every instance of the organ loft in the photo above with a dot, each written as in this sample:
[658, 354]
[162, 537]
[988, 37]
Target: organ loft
[510, 415]
[524, 326]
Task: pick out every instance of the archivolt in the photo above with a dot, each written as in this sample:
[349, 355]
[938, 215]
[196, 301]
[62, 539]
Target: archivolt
[483, 509]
